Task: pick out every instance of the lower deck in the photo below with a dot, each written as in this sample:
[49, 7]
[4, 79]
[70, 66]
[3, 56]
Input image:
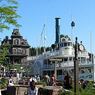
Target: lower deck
[86, 72]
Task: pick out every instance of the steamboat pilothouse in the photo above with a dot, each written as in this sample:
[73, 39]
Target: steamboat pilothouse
[62, 55]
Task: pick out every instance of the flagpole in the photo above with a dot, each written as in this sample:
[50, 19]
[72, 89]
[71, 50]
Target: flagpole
[91, 44]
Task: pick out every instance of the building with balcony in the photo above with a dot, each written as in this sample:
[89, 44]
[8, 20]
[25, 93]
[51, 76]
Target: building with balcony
[19, 48]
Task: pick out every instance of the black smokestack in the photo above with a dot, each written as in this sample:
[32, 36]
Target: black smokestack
[57, 27]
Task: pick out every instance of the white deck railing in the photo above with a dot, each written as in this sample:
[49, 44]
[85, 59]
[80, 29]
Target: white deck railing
[64, 64]
[54, 54]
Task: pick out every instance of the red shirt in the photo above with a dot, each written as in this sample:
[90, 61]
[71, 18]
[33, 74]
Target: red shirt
[52, 79]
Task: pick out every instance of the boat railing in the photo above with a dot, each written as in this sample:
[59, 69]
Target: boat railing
[83, 53]
[53, 54]
[66, 51]
[49, 66]
[65, 64]
[42, 56]
[71, 63]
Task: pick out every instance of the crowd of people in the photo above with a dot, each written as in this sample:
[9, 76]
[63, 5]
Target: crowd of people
[33, 90]
[8, 74]
[35, 78]
[50, 81]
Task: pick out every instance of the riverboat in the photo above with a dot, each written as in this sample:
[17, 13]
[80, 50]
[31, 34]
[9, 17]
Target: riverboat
[62, 55]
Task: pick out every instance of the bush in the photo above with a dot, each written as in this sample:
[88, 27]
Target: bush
[3, 83]
[89, 90]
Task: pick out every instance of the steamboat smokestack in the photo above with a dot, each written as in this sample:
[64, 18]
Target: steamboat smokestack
[57, 27]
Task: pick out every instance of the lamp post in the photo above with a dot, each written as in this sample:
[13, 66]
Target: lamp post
[72, 25]
[76, 69]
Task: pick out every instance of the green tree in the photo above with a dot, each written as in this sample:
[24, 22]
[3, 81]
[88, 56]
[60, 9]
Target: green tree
[40, 50]
[64, 36]
[32, 51]
[8, 14]
[3, 53]
[48, 48]
[61, 36]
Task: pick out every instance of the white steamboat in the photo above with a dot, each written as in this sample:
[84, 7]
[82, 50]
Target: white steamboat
[64, 54]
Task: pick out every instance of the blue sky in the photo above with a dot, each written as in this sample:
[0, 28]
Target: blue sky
[34, 11]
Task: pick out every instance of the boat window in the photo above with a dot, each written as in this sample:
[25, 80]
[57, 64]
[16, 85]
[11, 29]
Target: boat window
[70, 59]
[65, 44]
[59, 72]
[69, 44]
[73, 59]
[65, 59]
[61, 44]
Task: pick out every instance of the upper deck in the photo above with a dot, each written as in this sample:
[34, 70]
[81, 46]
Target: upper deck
[65, 51]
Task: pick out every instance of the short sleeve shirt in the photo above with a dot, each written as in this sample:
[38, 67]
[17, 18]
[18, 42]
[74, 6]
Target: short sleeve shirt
[33, 92]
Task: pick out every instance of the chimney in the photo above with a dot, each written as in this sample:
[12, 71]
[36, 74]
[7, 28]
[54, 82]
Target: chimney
[6, 37]
[57, 27]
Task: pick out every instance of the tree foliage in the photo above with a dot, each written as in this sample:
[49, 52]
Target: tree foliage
[3, 53]
[32, 51]
[65, 36]
[8, 14]
[40, 50]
